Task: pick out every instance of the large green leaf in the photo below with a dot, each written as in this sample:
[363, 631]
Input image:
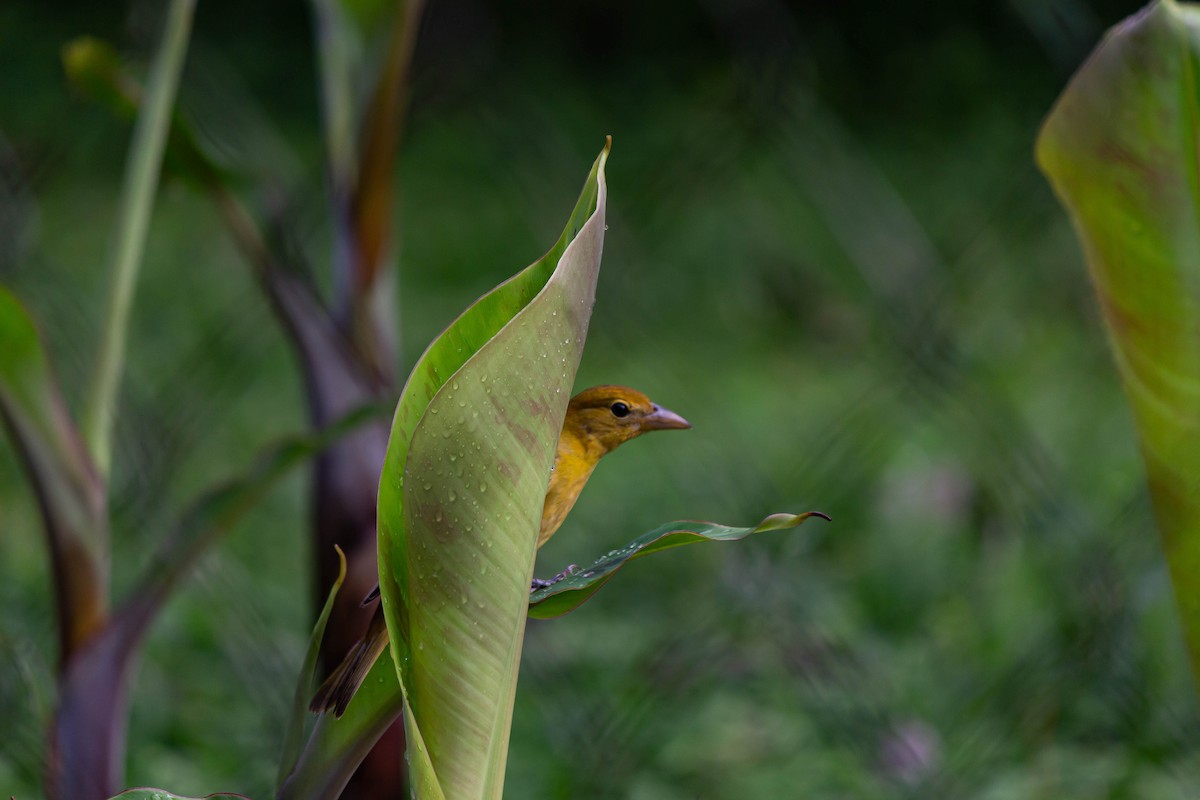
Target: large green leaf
[574, 590]
[1121, 149]
[338, 744]
[460, 501]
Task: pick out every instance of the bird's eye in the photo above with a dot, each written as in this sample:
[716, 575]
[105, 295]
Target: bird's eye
[619, 409]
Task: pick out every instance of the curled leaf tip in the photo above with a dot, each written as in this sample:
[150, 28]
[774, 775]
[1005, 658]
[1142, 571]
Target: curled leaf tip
[566, 593]
[777, 522]
[341, 565]
[608, 144]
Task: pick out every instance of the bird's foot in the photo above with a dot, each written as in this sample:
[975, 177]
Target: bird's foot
[539, 583]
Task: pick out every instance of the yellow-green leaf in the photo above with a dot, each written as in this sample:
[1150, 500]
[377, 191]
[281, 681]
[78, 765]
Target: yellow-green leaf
[1121, 148]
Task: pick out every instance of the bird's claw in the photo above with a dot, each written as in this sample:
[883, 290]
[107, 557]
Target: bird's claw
[539, 583]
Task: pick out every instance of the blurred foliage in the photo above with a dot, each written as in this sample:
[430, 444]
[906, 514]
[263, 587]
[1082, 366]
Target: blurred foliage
[1113, 148]
[829, 249]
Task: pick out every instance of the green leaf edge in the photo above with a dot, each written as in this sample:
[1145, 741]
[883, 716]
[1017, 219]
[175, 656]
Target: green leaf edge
[574, 590]
[293, 739]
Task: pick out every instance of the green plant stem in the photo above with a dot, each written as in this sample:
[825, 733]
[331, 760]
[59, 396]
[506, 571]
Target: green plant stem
[337, 60]
[137, 197]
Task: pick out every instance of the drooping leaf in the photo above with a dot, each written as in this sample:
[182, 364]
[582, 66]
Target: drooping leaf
[460, 499]
[159, 794]
[1120, 148]
[214, 514]
[70, 493]
[293, 739]
[574, 590]
[95, 69]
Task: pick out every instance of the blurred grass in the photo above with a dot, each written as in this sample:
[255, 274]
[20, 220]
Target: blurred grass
[828, 248]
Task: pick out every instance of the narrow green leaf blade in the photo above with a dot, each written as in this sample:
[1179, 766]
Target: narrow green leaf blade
[574, 590]
[293, 739]
[460, 498]
[423, 777]
[1121, 148]
[337, 746]
[137, 198]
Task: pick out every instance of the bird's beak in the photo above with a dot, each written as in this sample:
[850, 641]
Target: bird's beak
[663, 419]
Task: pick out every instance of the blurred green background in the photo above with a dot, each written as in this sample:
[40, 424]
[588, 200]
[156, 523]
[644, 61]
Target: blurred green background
[828, 248]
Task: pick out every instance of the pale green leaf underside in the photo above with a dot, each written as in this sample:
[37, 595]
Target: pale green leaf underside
[1121, 148]
[460, 498]
[571, 592]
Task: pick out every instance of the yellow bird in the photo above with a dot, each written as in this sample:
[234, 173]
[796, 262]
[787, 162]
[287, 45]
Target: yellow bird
[598, 421]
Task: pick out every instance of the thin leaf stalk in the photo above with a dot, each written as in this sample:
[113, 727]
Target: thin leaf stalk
[137, 197]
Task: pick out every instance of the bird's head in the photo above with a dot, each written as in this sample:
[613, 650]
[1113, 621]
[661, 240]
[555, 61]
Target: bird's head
[609, 416]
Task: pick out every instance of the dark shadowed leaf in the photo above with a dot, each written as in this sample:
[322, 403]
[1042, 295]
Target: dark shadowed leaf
[1120, 149]
[88, 725]
[337, 745]
[69, 490]
[574, 590]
